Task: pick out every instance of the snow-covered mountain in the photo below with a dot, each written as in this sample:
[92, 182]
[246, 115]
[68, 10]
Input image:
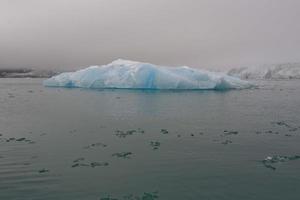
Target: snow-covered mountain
[279, 71]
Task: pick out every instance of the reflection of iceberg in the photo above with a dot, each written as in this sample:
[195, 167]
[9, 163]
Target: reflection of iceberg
[281, 71]
[135, 75]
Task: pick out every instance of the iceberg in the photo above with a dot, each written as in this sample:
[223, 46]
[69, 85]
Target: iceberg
[125, 74]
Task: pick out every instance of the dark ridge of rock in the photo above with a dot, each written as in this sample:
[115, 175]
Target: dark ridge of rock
[26, 73]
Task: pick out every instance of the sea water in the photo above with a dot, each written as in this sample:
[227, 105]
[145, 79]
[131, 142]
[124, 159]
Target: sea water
[69, 144]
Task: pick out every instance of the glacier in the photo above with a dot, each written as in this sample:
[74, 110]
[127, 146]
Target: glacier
[126, 74]
[268, 72]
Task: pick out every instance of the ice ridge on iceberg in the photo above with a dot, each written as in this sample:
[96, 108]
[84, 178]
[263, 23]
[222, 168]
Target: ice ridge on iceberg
[127, 74]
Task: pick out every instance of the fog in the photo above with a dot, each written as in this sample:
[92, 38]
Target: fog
[217, 34]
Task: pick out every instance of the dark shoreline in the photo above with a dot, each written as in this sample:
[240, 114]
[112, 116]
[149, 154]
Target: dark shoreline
[26, 73]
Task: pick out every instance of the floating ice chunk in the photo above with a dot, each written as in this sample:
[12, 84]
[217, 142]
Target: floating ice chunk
[136, 75]
[271, 160]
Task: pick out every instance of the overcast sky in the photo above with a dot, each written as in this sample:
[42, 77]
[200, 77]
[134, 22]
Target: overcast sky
[199, 33]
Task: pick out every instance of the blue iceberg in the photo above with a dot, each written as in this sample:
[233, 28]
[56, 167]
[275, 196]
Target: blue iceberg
[125, 74]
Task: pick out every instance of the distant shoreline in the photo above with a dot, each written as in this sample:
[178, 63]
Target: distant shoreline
[26, 73]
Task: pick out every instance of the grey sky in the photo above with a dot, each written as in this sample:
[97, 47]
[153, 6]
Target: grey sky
[199, 33]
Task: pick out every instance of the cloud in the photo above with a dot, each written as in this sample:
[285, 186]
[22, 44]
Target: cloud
[206, 33]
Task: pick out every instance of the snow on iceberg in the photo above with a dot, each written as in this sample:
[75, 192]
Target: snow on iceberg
[269, 72]
[127, 74]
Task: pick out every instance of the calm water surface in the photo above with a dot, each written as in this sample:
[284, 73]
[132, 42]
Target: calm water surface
[74, 144]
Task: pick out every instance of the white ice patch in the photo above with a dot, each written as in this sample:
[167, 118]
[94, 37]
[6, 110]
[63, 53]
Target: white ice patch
[136, 75]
